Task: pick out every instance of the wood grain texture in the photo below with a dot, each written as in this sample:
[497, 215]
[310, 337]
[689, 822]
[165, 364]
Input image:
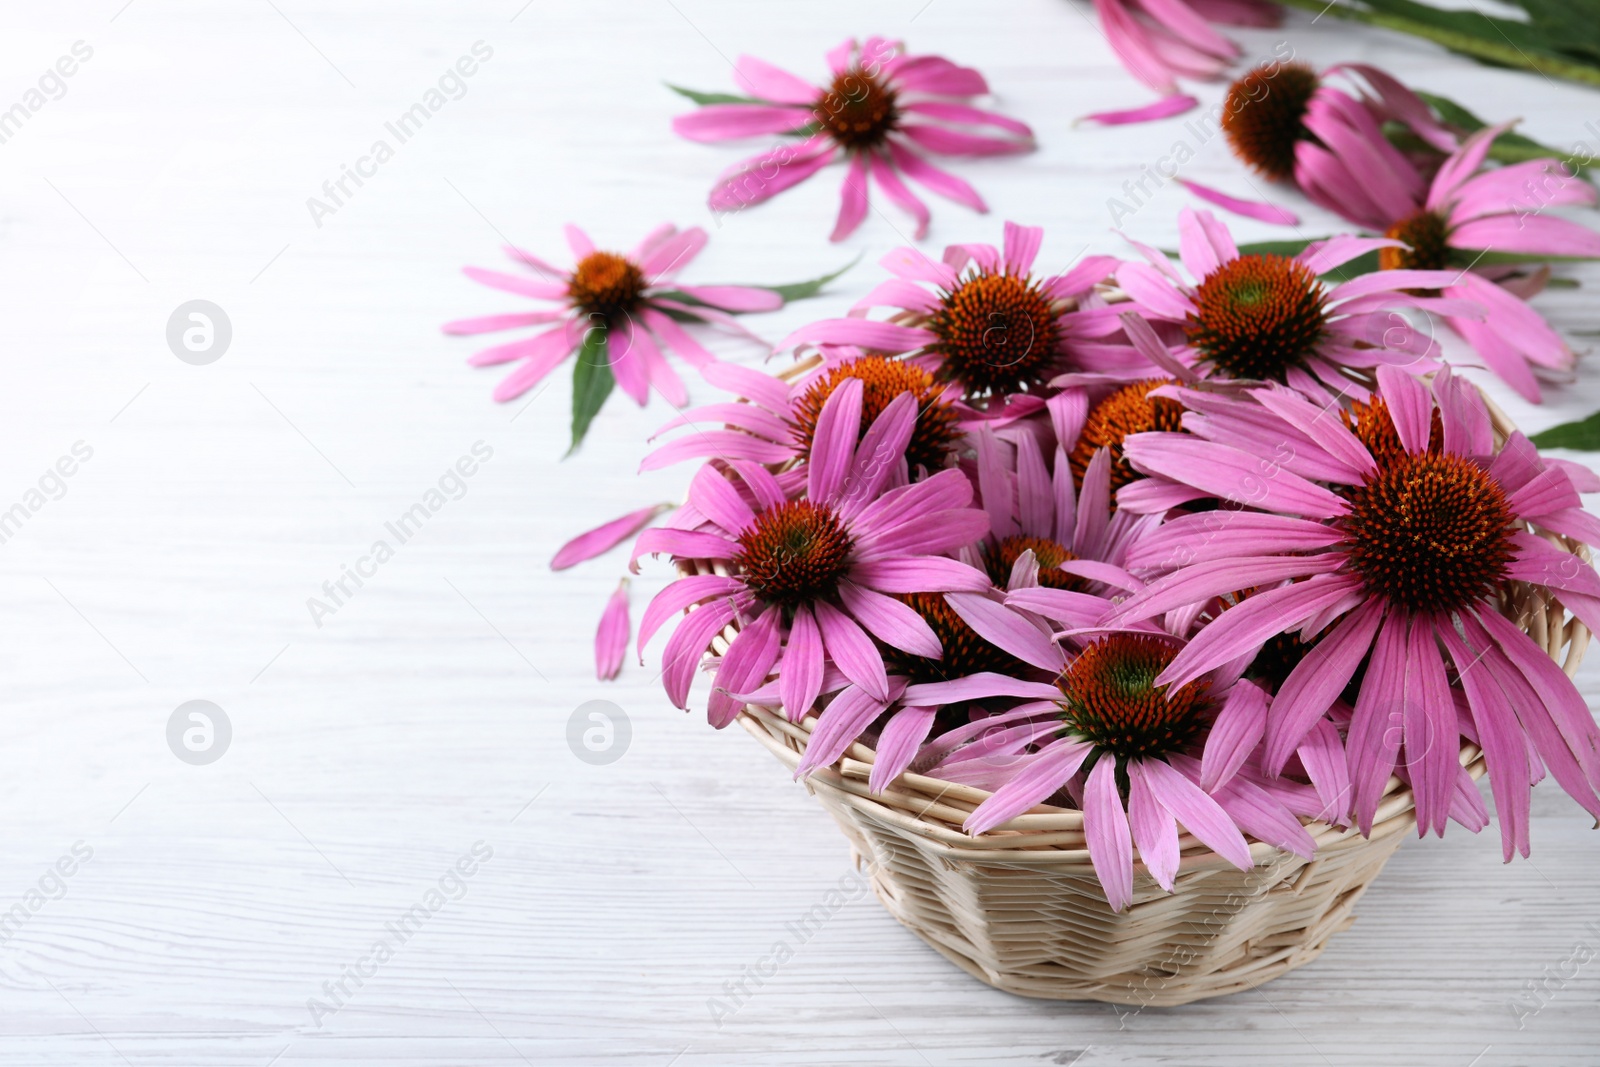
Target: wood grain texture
[427, 713]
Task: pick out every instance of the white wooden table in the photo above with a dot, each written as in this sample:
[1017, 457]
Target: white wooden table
[430, 711]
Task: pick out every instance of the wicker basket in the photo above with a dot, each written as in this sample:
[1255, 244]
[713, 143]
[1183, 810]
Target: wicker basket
[1020, 907]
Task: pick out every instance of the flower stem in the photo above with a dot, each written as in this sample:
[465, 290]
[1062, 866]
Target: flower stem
[1504, 54]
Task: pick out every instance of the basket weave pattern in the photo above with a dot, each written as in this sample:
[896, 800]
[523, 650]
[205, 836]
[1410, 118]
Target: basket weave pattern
[1021, 909]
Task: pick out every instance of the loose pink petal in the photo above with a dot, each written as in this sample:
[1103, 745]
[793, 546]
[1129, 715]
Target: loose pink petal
[1250, 209]
[604, 537]
[611, 638]
[1166, 107]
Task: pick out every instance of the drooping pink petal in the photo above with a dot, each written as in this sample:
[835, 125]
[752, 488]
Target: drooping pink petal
[1106, 832]
[834, 440]
[1198, 812]
[1323, 757]
[852, 198]
[1045, 772]
[863, 333]
[1317, 680]
[931, 177]
[680, 595]
[800, 676]
[1237, 731]
[890, 621]
[852, 650]
[746, 664]
[1373, 745]
[1244, 628]
[762, 177]
[735, 297]
[687, 646]
[841, 723]
[1154, 829]
[902, 736]
[1230, 474]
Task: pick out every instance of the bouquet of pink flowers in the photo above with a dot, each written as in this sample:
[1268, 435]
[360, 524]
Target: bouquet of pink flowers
[1208, 546]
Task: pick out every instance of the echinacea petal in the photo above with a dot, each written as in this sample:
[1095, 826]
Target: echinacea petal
[604, 537]
[1166, 107]
[746, 664]
[1250, 209]
[611, 637]
[1054, 765]
[902, 736]
[1198, 812]
[839, 726]
[852, 650]
[1155, 831]
[1106, 832]
[852, 198]
[890, 621]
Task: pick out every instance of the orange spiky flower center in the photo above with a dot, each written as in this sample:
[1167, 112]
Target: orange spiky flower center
[882, 379]
[858, 110]
[997, 333]
[1129, 410]
[1370, 421]
[1109, 697]
[999, 558]
[1258, 316]
[606, 284]
[1429, 533]
[1427, 233]
[1263, 115]
[794, 553]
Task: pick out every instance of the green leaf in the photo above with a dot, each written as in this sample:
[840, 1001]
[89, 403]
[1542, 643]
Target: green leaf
[1509, 147]
[1493, 41]
[802, 290]
[1366, 263]
[1582, 436]
[711, 98]
[592, 381]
